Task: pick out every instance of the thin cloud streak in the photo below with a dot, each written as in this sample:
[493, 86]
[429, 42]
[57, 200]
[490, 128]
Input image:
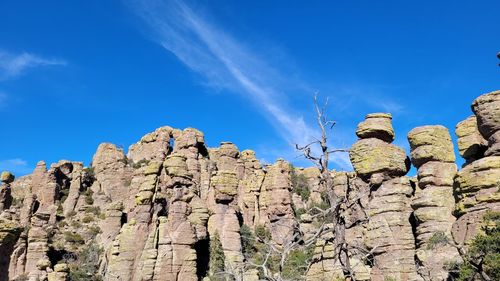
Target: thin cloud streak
[17, 166]
[13, 65]
[226, 64]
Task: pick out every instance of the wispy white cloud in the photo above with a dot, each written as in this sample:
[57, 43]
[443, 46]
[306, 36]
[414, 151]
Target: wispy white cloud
[391, 106]
[13, 65]
[226, 63]
[17, 166]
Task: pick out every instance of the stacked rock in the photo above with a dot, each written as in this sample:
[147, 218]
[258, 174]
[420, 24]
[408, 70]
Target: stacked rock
[276, 202]
[373, 156]
[222, 202]
[6, 178]
[9, 230]
[382, 165]
[478, 183]
[471, 144]
[433, 203]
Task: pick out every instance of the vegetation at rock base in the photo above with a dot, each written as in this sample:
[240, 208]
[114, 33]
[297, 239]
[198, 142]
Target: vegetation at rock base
[217, 261]
[297, 263]
[85, 263]
[299, 212]
[483, 254]
[247, 241]
[262, 233]
[73, 237]
[256, 249]
[88, 197]
[87, 219]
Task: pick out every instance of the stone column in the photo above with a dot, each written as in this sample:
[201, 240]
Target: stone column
[382, 165]
[477, 185]
[433, 203]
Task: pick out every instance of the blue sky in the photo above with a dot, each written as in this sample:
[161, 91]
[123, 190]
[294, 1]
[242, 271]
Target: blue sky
[74, 74]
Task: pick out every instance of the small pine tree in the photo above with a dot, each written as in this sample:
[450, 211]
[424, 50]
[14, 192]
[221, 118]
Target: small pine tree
[300, 186]
[247, 241]
[485, 250]
[217, 258]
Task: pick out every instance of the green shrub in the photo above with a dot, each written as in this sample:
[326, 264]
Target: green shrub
[437, 239]
[296, 265]
[217, 257]
[93, 210]
[262, 233]
[63, 195]
[87, 219]
[300, 186]
[59, 210]
[73, 237]
[86, 264]
[317, 208]
[88, 197]
[17, 202]
[300, 212]
[94, 230]
[76, 224]
[485, 247]
[247, 241]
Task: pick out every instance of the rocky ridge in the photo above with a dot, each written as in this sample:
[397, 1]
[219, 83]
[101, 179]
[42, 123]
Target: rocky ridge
[152, 214]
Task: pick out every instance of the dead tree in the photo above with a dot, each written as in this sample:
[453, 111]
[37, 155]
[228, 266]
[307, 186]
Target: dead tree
[332, 217]
[338, 205]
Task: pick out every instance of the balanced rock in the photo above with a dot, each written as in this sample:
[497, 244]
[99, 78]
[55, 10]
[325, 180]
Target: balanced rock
[471, 143]
[430, 143]
[376, 125]
[374, 156]
[487, 110]
[7, 177]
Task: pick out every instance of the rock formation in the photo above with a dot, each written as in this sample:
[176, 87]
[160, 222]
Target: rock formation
[477, 185]
[388, 231]
[154, 212]
[433, 203]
